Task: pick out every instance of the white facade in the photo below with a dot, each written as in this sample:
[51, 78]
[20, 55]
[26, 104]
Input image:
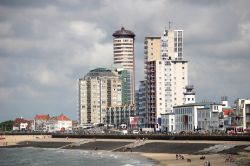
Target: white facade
[23, 126]
[179, 82]
[168, 122]
[66, 124]
[195, 116]
[189, 94]
[155, 96]
[165, 83]
[243, 110]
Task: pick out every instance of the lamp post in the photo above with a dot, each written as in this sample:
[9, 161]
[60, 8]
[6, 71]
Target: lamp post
[205, 123]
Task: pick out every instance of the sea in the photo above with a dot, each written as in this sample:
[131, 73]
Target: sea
[60, 157]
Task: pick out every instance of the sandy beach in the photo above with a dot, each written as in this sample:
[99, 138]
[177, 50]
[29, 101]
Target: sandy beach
[15, 139]
[162, 151]
[170, 159]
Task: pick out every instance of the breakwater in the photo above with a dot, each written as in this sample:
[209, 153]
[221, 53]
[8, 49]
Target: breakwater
[158, 137]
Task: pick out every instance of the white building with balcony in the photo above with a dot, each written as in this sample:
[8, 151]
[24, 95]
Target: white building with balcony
[243, 113]
[194, 116]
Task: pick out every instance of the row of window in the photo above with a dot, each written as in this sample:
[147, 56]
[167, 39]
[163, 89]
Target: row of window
[181, 119]
[123, 40]
[183, 111]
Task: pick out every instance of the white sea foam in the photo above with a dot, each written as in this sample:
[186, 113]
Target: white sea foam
[52, 157]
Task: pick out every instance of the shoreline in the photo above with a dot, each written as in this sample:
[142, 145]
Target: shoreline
[161, 152]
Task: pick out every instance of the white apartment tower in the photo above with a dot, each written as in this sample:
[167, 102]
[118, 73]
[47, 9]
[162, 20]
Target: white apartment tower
[99, 89]
[168, 79]
[123, 43]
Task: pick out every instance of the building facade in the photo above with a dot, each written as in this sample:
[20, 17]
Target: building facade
[155, 96]
[141, 104]
[125, 77]
[166, 74]
[124, 57]
[45, 123]
[119, 115]
[99, 89]
[195, 116]
[243, 113]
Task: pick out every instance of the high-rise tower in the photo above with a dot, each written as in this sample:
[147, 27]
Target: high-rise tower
[124, 58]
[166, 74]
[99, 89]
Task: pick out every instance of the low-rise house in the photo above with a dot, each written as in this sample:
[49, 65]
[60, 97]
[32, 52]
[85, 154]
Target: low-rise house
[229, 117]
[168, 122]
[45, 123]
[63, 123]
[41, 123]
[21, 124]
[195, 116]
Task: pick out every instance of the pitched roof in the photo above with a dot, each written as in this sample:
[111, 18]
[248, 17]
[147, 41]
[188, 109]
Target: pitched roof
[228, 111]
[42, 117]
[20, 120]
[62, 117]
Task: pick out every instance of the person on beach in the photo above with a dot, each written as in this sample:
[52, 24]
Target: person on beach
[177, 156]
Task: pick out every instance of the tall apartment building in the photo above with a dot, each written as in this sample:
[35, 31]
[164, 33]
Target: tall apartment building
[165, 73]
[99, 89]
[124, 58]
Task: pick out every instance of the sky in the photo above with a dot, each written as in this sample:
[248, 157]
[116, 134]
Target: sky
[45, 46]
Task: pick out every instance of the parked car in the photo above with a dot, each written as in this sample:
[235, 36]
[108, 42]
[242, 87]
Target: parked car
[135, 131]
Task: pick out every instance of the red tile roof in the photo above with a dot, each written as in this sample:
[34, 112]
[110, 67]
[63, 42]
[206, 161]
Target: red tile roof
[42, 117]
[63, 117]
[228, 111]
[20, 120]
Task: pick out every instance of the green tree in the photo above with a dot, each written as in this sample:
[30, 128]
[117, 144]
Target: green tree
[6, 125]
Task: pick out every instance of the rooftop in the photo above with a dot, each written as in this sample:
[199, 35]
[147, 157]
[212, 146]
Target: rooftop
[100, 72]
[123, 33]
[197, 104]
[42, 117]
[62, 118]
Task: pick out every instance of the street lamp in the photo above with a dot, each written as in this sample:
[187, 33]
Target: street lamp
[205, 123]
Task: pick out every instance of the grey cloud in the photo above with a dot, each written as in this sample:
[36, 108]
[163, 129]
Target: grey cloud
[45, 46]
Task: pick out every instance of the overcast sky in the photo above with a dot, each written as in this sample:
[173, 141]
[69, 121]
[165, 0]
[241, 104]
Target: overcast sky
[45, 46]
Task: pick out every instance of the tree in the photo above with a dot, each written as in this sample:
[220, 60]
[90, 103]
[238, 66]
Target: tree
[6, 125]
